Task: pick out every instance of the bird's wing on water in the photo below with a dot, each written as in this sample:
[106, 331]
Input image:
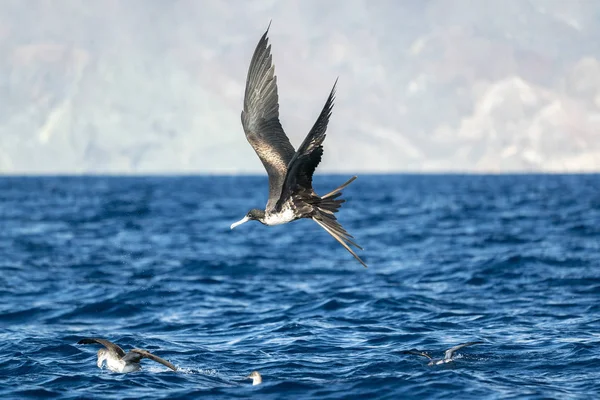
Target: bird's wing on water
[450, 352]
[108, 344]
[136, 356]
[302, 166]
[417, 353]
[333, 227]
[260, 119]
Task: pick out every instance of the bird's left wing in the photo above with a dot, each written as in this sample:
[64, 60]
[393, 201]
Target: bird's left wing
[450, 352]
[260, 119]
[136, 355]
[417, 353]
[106, 343]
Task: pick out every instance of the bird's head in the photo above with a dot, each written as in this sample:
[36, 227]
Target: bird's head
[254, 214]
[102, 355]
[256, 378]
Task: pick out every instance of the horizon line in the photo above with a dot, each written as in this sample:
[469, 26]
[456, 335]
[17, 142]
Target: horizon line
[252, 174]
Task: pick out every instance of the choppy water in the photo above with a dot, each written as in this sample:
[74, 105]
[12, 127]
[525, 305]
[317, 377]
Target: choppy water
[150, 262]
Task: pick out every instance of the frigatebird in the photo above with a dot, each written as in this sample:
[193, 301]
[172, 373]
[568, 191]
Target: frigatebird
[291, 195]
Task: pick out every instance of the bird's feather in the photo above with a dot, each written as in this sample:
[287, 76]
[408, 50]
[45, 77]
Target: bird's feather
[108, 344]
[339, 233]
[136, 356]
[260, 119]
[417, 353]
[450, 352]
[308, 156]
[338, 189]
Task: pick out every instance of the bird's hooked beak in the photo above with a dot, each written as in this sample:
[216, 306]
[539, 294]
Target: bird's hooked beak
[241, 221]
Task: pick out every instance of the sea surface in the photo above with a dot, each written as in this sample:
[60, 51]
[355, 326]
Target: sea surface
[150, 262]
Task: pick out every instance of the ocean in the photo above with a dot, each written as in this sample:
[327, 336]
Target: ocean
[150, 262]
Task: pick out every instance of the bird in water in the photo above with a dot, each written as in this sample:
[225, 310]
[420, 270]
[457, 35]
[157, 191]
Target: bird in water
[119, 361]
[291, 195]
[448, 355]
[256, 378]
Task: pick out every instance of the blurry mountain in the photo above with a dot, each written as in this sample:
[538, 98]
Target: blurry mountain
[145, 86]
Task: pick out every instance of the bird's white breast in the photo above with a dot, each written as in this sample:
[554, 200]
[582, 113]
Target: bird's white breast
[121, 366]
[440, 362]
[114, 364]
[283, 217]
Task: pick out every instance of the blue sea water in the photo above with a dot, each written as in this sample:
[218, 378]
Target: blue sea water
[150, 262]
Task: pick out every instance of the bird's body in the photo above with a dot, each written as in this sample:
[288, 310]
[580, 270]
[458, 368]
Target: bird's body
[119, 361]
[448, 355]
[291, 195]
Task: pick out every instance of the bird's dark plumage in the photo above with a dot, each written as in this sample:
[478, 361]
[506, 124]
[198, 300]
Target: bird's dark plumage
[417, 353]
[260, 119]
[108, 344]
[136, 355]
[450, 352]
[304, 162]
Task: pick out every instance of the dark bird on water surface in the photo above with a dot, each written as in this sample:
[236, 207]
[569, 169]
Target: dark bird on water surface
[119, 361]
[448, 355]
[291, 195]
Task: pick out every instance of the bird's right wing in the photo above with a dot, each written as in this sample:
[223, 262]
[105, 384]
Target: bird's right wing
[450, 352]
[108, 344]
[136, 355]
[302, 166]
[417, 353]
[260, 119]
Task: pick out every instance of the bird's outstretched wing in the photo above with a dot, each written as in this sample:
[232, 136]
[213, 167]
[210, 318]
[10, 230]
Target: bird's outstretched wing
[260, 119]
[136, 355]
[302, 166]
[417, 353]
[108, 344]
[450, 352]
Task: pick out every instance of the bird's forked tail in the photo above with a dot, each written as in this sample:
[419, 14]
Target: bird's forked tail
[339, 188]
[330, 203]
[327, 206]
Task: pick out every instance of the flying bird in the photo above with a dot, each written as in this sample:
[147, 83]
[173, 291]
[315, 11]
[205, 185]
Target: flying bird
[448, 355]
[291, 195]
[119, 361]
